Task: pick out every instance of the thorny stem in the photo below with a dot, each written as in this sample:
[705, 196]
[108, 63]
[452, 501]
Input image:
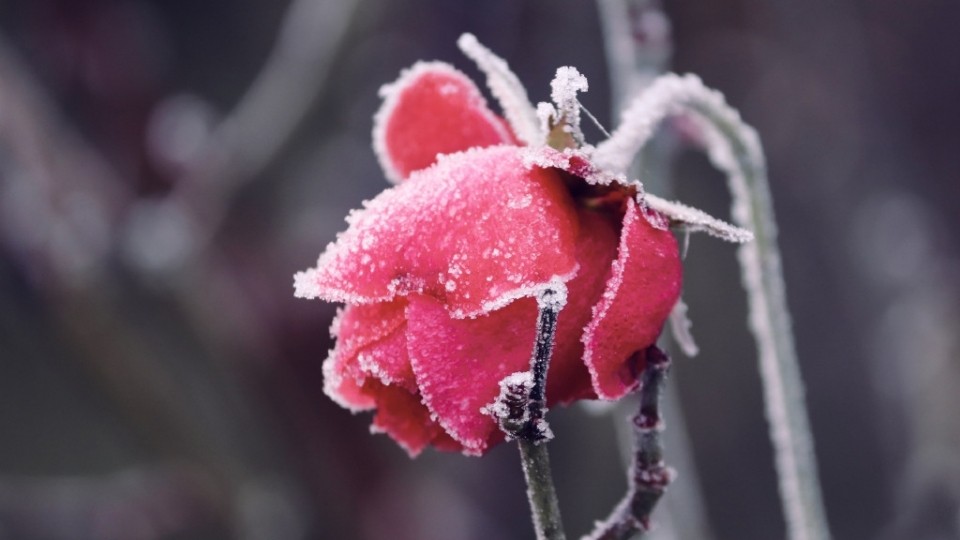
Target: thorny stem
[536, 460]
[520, 410]
[649, 477]
[546, 328]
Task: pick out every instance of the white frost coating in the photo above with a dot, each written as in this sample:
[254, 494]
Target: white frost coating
[390, 93]
[545, 157]
[563, 91]
[735, 149]
[331, 383]
[527, 291]
[545, 116]
[506, 87]
[695, 220]
[668, 95]
[519, 382]
[557, 297]
[680, 329]
[304, 286]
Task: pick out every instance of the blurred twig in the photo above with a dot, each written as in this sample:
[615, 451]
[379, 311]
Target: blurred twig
[65, 209]
[147, 504]
[250, 137]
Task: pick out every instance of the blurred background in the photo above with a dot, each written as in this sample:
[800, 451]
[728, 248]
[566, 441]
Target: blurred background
[166, 166]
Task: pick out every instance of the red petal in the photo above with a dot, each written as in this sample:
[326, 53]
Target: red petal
[344, 389]
[474, 231]
[432, 109]
[569, 379]
[371, 342]
[445, 442]
[388, 361]
[402, 416]
[359, 326]
[642, 289]
[459, 363]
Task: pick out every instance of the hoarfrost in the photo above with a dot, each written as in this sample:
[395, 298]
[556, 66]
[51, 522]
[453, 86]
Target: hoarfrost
[520, 382]
[508, 90]
[545, 116]
[680, 329]
[563, 92]
[695, 220]
[553, 296]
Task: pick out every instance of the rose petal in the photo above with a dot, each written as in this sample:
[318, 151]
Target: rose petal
[459, 363]
[402, 416]
[568, 379]
[475, 231]
[371, 342]
[358, 326]
[344, 389]
[432, 109]
[388, 361]
[445, 442]
[642, 289]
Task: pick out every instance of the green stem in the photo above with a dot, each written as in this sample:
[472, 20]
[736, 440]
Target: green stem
[540, 490]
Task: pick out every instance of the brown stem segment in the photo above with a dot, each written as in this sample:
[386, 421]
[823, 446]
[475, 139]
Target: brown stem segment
[649, 476]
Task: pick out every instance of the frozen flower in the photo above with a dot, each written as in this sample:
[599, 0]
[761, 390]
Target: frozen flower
[440, 273]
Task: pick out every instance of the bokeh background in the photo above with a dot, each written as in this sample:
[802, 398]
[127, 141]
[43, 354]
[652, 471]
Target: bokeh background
[166, 166]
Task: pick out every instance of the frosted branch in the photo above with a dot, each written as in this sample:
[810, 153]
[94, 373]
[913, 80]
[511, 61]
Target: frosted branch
[506, 87]
[735, 149]
[695, 220]
[519, 409]
[649, 477]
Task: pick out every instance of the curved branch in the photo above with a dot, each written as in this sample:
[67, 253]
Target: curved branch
[735, 149]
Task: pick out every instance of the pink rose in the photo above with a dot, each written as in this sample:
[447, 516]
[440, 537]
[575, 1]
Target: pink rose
[440, 273]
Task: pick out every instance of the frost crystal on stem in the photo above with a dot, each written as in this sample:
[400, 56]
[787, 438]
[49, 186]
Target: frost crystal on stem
[566, 117]
[508, 90]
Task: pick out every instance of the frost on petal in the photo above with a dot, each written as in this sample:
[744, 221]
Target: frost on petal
[642, 289]
[388, 362]
[371, 344]
[576, 162]
[356, 327]
[507, 89]
[459, 363]
[568, 379]
[432, 109]
[402, 416]
[475, 231]
[342, 388]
